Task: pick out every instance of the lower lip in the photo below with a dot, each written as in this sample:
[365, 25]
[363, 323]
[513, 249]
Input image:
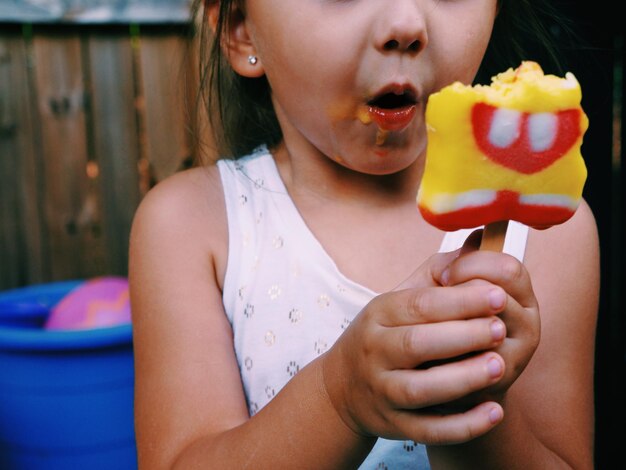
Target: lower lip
[392, 119]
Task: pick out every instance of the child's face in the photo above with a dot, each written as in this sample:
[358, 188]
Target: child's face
[333, 66]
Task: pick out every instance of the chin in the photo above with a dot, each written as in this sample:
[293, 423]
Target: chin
[389, 160]
[396, 153]
[382, 161]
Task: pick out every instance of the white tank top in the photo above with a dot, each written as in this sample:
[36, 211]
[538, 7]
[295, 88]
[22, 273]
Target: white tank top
[284, 296]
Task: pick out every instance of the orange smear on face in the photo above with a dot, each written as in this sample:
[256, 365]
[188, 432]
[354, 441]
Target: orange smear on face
[363, 114]
[340, 111]
[381, 136]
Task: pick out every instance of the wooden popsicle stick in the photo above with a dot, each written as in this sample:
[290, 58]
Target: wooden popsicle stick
[493, 236]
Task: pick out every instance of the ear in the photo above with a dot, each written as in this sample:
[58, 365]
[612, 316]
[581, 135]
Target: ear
[236, 42]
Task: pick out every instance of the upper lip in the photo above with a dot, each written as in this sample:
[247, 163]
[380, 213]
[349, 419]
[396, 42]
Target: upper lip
[394, 95]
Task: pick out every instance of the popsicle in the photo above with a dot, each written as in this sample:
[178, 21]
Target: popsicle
[508, 151]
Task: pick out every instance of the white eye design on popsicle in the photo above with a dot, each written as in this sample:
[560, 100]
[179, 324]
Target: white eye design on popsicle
[542, 129]
[524, 142]
[506, 127]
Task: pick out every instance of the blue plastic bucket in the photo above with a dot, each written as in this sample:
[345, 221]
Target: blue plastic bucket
[66, 397]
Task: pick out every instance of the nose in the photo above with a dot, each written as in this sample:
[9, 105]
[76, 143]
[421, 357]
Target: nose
[401, 27]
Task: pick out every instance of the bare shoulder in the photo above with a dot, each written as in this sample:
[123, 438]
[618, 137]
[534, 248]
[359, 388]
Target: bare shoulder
[564, 260]
[564, 265]
[184, 214]
[192, 194]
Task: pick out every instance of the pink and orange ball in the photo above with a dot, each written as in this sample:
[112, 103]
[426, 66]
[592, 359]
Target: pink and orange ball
[97, 303]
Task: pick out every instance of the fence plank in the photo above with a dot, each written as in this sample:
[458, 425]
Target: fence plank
[163, 85]
[71, 206]
[95, 11]
[87, 124]
[9, 263]
[22, 257]
[116, 141]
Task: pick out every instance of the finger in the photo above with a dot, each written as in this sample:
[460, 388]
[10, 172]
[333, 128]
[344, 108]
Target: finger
[498, 268]
[414, 389]
[522, 322]
[439, 304]
[431, 269]
[436, 429]
[523, 327]
[411, 346]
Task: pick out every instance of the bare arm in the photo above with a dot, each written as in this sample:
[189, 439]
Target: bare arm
[548, 419]
[190, 406]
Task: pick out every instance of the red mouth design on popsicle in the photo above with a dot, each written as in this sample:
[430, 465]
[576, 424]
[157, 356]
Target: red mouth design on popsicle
[524, 142]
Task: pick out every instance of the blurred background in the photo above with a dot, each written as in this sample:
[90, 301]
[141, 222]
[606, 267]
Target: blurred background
[98, 104]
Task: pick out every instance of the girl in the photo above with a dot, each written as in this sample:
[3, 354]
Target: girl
[288, 309]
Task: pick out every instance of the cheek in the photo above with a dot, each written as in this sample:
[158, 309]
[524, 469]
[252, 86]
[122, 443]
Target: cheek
[313, 92]
[463, 55]
[480, 37]
[479, 41]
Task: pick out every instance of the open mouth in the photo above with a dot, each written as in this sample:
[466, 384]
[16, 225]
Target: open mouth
[393, 111]
[393, 100]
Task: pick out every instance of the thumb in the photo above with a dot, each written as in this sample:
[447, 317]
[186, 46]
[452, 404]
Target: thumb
[433, 271]
[472, 242]
[429, 274]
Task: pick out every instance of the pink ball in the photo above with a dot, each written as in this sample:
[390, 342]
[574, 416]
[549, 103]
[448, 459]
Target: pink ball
[97, 303]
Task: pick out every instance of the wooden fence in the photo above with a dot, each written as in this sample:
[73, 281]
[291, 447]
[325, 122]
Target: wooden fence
[90, 119]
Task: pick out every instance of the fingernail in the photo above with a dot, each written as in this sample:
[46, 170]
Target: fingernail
[496, 298]
[494, 368]
[497, 330]
[495, 415]
[445, 277]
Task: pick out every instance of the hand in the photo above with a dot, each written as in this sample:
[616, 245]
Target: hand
[521, 314]
[376, 374]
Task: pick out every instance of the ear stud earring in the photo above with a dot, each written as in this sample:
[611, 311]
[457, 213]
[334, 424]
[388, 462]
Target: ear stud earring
[252, 59]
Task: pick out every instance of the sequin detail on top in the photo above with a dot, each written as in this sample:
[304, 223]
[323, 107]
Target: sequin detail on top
[284, 296]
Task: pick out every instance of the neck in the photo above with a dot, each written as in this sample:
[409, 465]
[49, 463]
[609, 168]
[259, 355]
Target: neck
[310, 174]
[352, 213]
